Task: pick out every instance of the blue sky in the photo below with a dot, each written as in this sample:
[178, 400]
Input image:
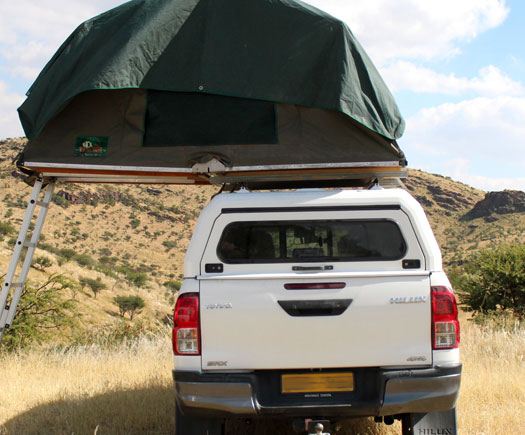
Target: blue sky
[455, 67]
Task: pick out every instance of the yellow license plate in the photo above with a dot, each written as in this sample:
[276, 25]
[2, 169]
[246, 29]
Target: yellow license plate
[317, 383]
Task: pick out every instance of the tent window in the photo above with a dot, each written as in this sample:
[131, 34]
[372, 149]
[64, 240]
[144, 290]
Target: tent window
[185, 118]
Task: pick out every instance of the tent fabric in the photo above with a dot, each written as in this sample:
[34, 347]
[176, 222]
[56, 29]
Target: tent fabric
[280, 51]
[305, 136]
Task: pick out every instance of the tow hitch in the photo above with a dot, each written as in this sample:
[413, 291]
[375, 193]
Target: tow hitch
[312, 427]
[318, 427]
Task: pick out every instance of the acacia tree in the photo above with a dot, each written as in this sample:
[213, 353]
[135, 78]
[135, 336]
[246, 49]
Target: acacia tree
[42, 263]
[43, 309]
[129, 304]
[96, 285]
[494, 281]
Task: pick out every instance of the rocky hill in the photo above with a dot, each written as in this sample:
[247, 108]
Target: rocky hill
[132, 238]
[498, 203]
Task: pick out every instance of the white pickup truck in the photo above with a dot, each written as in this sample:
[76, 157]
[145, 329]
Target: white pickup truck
[316, 306]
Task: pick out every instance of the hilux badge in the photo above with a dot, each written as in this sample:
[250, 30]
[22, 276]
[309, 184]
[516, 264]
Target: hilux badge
[409, 300]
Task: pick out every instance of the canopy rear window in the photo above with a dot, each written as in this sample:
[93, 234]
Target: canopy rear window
[311, 241]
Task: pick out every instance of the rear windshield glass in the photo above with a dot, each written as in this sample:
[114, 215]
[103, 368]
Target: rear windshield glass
[311, 241]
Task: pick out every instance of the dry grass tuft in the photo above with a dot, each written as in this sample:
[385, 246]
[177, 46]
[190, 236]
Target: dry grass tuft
[492, 399]
[128, 390]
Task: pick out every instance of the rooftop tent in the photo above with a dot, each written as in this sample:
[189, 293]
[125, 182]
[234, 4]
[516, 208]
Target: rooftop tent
[211, 91]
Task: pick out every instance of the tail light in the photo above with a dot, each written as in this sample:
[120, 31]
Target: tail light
[186, 327]
[445, 325]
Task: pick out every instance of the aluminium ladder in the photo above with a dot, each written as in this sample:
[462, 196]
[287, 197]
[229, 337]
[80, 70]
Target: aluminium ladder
[15, 286]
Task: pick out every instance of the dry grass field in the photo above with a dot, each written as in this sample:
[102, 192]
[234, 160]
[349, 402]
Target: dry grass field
[128, 389]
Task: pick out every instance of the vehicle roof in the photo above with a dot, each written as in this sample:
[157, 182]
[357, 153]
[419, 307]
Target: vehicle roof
[313, 197]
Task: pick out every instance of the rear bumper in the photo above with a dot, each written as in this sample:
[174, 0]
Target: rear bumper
[377, 393]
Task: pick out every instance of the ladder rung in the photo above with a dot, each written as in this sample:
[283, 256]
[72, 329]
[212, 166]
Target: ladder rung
[17, 285]
[30, 244]
[42, 203]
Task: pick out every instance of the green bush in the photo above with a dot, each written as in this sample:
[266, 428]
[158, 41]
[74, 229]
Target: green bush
[48, 247]
[61, 201]
[129, 304]
[42, 262]
[43, 309]
[169, 244]
[84, 260]
[6, 229]
[494, 281]
[134, 277]
[67, 253]
[96, 285]
[174, 286]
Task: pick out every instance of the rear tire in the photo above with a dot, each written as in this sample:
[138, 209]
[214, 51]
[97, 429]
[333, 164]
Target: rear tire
[441, 422]
[190, 425]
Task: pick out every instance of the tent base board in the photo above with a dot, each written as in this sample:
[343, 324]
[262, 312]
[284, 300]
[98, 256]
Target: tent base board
[356, 174]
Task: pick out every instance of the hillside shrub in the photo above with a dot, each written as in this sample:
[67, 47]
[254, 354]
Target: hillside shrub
[494, 282]
[41, 262]
[105, 252]
[134, 277]
[67, 253]
[84, 260]
[107, 260]
[43, 309]
[174, 286]
[130, 305]
[61, 201]
[169, 244]
[48, 247]
[96, 285]
[6, 229]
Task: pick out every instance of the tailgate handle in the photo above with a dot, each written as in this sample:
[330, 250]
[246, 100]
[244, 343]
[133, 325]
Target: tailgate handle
[331, 307]
[311, 268]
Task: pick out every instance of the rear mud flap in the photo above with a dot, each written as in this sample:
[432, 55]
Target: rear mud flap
[432, 423]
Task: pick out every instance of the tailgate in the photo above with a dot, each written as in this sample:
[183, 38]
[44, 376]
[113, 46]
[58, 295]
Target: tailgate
[324, 320]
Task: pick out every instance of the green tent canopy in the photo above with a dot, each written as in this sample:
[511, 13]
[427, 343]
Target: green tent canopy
[197, 90]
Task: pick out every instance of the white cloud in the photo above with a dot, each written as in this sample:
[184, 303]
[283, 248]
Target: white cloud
[411, 29]
[490, 82]
[460, 169]
[9, 123]
[482, 136]
[30, 32]
[487, 123]
[495, 184]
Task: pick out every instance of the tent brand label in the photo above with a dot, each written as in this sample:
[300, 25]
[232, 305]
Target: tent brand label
[91, 146]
